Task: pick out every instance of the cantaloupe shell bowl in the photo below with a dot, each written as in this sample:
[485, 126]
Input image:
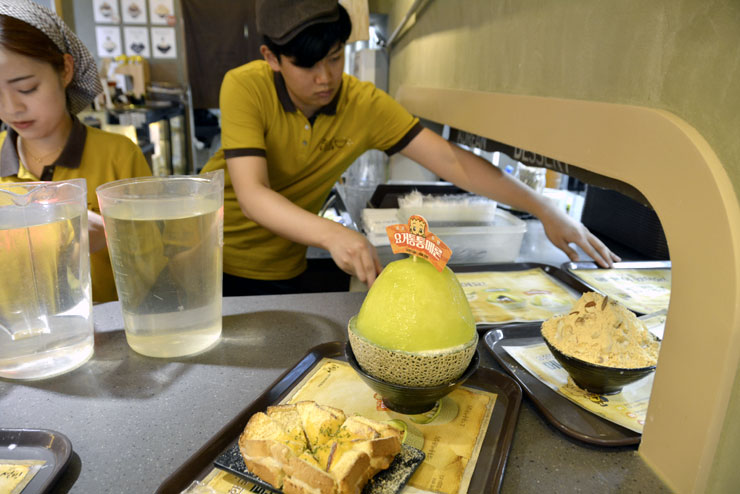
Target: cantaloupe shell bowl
[427, 368]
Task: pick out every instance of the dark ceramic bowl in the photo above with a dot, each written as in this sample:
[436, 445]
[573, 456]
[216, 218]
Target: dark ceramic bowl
[409, 400]
[595, 378]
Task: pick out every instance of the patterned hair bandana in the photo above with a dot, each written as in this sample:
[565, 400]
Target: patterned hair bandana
[85, 84]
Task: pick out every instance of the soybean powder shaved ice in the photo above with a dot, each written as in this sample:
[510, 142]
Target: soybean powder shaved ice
[602, 331]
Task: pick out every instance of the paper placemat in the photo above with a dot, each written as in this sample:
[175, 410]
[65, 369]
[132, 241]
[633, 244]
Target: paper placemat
[16, 474]
[515, 296]
[641, 290]
[626, 408]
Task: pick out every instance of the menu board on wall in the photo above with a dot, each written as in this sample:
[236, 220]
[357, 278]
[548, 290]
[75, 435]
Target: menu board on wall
[137, 41]
[106, 11]
[148, 28]
[133, 11]
[108, 40]
[163, 42]
[161, 11]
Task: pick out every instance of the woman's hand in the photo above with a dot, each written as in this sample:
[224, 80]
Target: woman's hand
[354, 254]
[96, 231]
[562, 230]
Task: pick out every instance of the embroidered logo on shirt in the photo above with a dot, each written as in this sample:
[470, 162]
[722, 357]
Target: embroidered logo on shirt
[334, 143]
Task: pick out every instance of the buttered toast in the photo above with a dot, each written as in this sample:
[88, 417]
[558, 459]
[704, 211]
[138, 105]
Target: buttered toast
[308, 448]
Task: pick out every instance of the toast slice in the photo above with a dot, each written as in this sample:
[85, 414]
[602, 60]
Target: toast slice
[307, 473]
[320, 422]
[290, 420]
[381, 451]
[384, 430]
[268, 469]
[295, 486]
[381, 442]
[351, 471]
[307, 448]
[262, 426]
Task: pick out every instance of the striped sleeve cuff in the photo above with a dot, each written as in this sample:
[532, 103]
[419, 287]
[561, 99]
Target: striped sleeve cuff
[403, 142]
[239, 152]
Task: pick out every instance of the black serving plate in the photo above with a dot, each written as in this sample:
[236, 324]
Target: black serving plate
[37, 444]
[564, 415]
[389, 481]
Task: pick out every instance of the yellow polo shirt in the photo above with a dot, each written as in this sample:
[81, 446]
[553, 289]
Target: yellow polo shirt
[305, 157]
[92, 154]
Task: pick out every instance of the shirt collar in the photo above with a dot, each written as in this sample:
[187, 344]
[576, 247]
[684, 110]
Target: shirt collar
[289, 106]
[70, 157]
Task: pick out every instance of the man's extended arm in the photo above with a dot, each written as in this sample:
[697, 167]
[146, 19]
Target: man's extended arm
[476, 175]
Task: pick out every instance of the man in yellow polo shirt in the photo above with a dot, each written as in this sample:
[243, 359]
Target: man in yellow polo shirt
[292, 124]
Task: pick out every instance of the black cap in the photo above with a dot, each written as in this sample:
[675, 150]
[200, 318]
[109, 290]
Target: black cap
[282, 20]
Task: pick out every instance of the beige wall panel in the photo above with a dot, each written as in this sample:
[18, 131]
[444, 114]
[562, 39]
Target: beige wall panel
[678, 55]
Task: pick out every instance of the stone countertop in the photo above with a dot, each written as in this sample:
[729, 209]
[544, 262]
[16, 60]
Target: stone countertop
[133, 420]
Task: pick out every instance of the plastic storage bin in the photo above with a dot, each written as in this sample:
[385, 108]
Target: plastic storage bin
[483, 243]
[462, 208]
[471, 243]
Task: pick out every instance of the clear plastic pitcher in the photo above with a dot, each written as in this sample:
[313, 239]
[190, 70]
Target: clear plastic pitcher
[165, 238]
[45, 293]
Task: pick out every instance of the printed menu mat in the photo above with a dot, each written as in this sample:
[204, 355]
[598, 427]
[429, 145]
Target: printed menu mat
[640, 290]
[16, 474]
[450, 435]
[626, 408]
[514, 296]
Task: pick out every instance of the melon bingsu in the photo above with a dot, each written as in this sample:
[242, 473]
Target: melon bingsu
[415, 327]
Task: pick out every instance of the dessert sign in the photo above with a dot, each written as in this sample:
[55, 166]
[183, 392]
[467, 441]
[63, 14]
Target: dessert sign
[415, 238]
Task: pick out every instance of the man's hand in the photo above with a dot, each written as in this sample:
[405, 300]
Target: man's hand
[562, 230]
[354, 254]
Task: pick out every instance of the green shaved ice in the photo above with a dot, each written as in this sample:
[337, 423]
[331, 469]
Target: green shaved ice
[415, 308]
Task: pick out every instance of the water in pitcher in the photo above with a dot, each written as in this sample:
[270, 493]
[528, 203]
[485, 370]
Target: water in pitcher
[45, 294]
[166, 256]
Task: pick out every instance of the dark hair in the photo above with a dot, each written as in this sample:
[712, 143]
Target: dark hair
[313, 43]
[22, 38]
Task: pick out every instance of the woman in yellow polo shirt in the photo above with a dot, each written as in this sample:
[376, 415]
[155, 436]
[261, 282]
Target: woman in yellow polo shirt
[47, 76]
[292, 124]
